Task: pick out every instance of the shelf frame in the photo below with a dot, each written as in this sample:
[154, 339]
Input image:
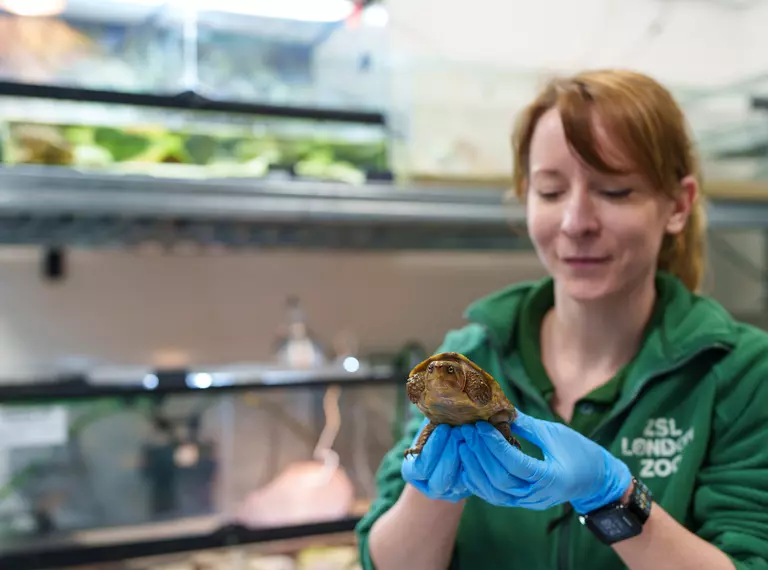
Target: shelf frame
[65, 207]
[137, 382]
[73, 555]
[187, 100]
[58, 206]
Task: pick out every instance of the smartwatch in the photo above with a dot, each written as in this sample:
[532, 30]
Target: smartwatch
[618, 521]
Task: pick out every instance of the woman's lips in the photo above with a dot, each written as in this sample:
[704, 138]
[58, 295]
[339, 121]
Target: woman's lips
[583, 261]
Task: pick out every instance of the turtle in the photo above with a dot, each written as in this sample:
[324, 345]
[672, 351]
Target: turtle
[448, 388]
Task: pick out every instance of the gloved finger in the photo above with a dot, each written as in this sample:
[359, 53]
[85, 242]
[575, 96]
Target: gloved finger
[485, 494]
[494, 470]
[446, 472]
[422, 466]
[473, 488]
[453, 495]
[514, 461]
[459, 489]
[421, 486]
[475, 479]
[538, 501]
[531, 429]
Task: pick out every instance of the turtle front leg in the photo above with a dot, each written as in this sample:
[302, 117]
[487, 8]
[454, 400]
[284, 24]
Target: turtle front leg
[422, 440]
[506, 431]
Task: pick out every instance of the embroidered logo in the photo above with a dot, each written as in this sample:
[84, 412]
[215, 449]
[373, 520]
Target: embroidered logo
[660, 449]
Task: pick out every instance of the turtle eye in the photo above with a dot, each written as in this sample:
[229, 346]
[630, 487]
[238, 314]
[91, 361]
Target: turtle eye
[450, 370]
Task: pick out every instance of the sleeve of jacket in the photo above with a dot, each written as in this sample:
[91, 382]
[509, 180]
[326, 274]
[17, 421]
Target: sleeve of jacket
[389, 481]
[731, 501]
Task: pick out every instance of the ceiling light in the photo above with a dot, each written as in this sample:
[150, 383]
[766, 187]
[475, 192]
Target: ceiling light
[302, 10]
[375, 16]
[34, 7]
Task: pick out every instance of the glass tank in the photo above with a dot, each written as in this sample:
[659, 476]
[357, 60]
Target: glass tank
[122, 470]
[297, 89]
[191, 144]
[322, 53]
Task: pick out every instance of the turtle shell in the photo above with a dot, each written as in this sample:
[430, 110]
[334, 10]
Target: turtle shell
[477, 397]
[422, 366]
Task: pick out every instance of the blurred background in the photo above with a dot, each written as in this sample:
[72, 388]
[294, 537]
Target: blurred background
[228, 229]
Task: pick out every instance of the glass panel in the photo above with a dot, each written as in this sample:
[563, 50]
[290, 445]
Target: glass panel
[460, 117]
[291, 62]
[165, 48]
[140, 468]
[162, 142]
[150, 47]
[120, 46]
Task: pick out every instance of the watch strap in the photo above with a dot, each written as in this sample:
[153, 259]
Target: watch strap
[620, 520]
[640, 500]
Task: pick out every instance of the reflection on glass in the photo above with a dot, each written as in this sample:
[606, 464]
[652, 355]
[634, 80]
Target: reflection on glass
[126, 470]
[201, 149]
[136, 55]
[293, 52]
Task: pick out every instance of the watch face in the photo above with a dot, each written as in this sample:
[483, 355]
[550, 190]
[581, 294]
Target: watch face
[613, 525]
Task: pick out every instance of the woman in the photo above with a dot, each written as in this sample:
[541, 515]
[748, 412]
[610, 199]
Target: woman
[642, 403]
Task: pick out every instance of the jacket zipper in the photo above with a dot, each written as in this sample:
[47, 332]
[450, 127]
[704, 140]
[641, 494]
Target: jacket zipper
[498, 352]
[564, 530]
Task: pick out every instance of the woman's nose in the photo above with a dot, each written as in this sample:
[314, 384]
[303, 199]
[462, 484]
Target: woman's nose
[579, 216]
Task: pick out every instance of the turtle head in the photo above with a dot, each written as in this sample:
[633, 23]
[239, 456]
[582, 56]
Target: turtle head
[447, 373]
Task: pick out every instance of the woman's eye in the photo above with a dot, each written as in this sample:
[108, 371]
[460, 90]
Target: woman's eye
[618, 193]
[548, 194]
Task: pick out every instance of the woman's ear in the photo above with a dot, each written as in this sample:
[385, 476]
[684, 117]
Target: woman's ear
[682, 204]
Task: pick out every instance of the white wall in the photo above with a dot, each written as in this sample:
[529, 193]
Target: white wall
[128, 308]
[140, 309]
[688, 42]
[461, 70]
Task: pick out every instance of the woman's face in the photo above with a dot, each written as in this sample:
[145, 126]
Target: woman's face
[598, 235]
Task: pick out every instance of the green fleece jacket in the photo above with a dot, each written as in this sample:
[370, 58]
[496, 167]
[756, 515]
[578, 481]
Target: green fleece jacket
[690, 419]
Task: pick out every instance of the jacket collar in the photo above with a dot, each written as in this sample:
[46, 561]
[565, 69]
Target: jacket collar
[690, 323]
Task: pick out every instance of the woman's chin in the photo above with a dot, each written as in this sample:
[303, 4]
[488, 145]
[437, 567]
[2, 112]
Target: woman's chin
[588, 290]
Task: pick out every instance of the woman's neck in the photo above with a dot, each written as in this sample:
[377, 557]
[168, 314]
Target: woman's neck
[593, 340]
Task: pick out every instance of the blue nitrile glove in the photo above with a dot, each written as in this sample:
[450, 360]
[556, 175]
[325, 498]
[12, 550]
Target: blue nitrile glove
[575, 469]
[436, 471]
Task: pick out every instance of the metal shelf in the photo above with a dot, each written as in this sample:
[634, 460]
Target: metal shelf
[61, 554]
[187, 100]
[56, 206]
[61, 206]
[136, 381]
[734, 213]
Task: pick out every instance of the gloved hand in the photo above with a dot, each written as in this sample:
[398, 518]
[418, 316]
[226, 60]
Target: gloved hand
[574, 469]
[436, 471]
